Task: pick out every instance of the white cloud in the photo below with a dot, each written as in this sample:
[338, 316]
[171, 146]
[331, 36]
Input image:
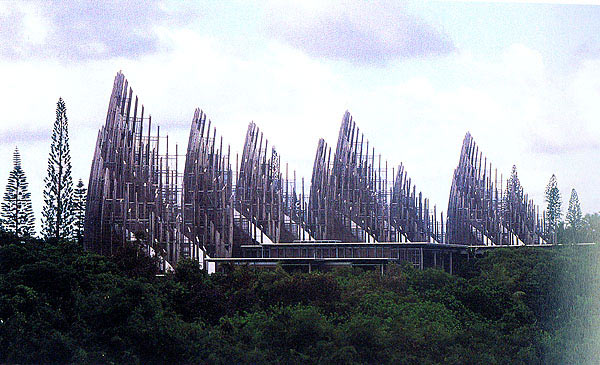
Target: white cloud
[362, 33]
[83, 30]
[35, 25]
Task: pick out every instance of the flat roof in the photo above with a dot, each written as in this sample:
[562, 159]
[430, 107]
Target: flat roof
[405, 244]
[302, 259]
[429, 245]
[370, 244]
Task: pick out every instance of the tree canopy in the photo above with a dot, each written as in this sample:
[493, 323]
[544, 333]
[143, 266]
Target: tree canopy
[79, 201]
[574, 218]
[60, 304]
[16, 209]
[554, 206]
[57, 214]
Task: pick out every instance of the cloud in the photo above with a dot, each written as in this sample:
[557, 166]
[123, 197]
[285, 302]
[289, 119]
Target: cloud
[569, 112]
[361, 33]
[588, 50]
[84, 30]
[23, 136]
[548, 146]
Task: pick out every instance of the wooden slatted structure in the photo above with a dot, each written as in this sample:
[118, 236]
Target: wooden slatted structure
[268, 208]
[134, 186]
[410, 213]
[481, 212]
[208, 192]
[350, 200]
[137, 194]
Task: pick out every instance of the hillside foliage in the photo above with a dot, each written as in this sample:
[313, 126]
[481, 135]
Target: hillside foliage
[60, 304]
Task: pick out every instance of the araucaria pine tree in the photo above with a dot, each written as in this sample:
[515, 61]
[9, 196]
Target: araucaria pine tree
[79, 199]
[513, 185]
[553, 209]
[574, 218]
[17, 212]
[57, 215]
[512, 199]
[514, 192]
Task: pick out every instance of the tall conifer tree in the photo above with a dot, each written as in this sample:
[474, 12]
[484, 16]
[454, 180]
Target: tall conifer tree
[574, 217]
[17, 211]
[512, 197]
[553, 209]
[79, 200]
[514, 190]
[513, 185]
[57, 215]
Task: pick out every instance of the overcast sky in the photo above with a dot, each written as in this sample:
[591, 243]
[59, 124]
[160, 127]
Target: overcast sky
[524, 79]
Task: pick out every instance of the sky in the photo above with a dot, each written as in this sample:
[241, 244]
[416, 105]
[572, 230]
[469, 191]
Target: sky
[523, 78]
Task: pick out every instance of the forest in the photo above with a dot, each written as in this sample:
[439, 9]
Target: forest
[61, 304]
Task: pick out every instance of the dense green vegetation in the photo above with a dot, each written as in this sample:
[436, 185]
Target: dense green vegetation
[60, 304]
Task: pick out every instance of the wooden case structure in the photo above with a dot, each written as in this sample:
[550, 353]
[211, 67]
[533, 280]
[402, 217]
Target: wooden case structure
[481, 212]
[268, 208]
[208, 203]
[350, 200]
[137, 194]
[134, 188]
